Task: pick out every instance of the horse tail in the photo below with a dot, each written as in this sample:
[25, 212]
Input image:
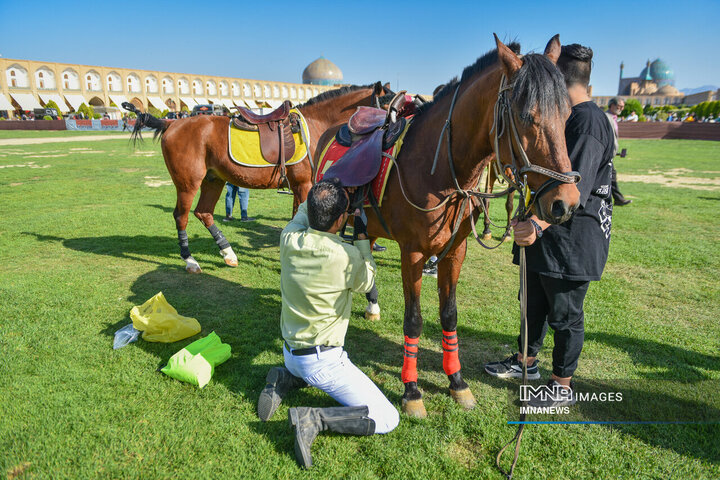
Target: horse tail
[145, 120]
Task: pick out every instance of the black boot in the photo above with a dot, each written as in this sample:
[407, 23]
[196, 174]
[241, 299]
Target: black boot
[308, 422]
[279, 382]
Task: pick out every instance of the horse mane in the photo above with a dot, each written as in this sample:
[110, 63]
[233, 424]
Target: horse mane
[539, 85]
[333, 93]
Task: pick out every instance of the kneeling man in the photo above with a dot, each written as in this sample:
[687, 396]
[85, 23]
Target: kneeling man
[319, 274]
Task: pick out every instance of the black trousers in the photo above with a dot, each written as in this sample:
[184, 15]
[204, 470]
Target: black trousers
[616, 194]
[559, 304]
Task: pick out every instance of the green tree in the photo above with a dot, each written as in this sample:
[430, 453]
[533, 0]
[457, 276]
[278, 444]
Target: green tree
[632, 105]
[154, 111]
[86, 110]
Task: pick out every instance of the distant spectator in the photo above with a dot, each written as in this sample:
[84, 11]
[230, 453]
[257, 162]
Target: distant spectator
[632, 117]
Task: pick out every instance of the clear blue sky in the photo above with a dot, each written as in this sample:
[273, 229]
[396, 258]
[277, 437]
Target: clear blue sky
[431, 41]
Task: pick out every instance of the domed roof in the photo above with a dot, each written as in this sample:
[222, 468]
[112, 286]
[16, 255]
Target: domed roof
[660, 72]
[322, 72]
[668, 90]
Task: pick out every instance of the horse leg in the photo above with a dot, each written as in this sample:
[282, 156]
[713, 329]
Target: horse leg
[181, 213]
[210, 191]
[412, 265]
[487, 233]
[509, 210]
[372, 311]
[448, 274]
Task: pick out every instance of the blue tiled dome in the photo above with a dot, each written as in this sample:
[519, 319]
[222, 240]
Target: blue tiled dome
[660, 73]
[322, 72]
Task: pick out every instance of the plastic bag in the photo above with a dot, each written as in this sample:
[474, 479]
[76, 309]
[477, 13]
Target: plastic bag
[196, 363]
[125, 335]
[160, 322]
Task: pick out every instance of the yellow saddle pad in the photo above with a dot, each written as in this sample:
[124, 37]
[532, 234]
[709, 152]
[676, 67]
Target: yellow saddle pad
[244, 146]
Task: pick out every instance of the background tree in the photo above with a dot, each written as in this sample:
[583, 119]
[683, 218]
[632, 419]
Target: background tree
[87, 111]
[154, 112]
[52, 104]
[632, 105]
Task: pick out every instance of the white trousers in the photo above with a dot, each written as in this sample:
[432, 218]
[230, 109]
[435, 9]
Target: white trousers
[333, 373]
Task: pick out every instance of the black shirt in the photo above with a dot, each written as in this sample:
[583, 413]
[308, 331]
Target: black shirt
[578, 248]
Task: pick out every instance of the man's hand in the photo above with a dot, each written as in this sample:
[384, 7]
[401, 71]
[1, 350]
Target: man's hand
[524, 232]
[359, 227]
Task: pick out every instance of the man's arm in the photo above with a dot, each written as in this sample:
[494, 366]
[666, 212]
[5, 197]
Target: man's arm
[364, 270]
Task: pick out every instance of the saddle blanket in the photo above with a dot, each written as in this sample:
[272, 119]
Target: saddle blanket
[244, 147]
[333, 151]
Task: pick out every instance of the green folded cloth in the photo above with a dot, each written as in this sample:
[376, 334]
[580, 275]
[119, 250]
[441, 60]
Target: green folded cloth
[196, 363]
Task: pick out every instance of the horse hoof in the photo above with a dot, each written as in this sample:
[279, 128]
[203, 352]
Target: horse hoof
[193, 269]
[487, 236]
[373, 317]
[414, 408]
[464, 398]
[507, 238]
[231, 262]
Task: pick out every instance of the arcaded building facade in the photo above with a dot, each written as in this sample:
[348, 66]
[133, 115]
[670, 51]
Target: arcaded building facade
[29, 84]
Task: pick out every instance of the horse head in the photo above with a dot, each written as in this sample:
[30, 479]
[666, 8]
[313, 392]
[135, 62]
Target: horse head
[529, 134]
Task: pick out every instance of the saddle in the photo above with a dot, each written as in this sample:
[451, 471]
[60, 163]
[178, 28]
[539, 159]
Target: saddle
[276, 133]
[369, 132]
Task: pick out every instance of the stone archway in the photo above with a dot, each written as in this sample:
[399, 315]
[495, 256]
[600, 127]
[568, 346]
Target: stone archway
[138, 104]
[96, 102]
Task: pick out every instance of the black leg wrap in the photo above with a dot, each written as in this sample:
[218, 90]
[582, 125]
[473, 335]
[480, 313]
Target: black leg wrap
[411, 391]
[372, 295]
[220, 239]
[184, 244]
[456, 381]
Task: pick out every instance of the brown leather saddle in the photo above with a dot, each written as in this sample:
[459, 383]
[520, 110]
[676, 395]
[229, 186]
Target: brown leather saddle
[276, 129]
[369, 132]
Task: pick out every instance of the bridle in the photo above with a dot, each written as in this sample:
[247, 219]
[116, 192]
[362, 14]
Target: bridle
[503, 119]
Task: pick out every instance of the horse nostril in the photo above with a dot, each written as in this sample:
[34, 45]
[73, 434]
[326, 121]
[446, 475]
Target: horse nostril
[558, 208]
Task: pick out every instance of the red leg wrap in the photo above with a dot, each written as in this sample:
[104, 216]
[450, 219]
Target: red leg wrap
[451, 361]
[409, 369]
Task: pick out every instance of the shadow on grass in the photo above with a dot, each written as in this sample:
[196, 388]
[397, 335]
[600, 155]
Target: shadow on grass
[677, 397]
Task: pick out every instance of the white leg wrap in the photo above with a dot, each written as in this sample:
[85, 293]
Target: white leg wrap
[372, 311]
[229, 256]
[192, 266]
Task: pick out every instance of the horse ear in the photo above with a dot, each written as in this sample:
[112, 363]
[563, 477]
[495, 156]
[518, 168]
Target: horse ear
[552, 49]
[509, 60]
[378, 88]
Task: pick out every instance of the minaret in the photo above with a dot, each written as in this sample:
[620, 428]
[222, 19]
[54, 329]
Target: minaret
[620, 82]
[622, 66]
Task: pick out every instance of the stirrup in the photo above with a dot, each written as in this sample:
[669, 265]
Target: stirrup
[281, 189]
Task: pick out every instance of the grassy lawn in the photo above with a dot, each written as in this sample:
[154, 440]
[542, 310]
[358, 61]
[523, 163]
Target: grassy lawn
[84, 238]
[56, 133]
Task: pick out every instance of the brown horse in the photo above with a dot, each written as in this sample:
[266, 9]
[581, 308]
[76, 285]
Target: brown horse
[491, 178]
[196, 155]
[535, 104]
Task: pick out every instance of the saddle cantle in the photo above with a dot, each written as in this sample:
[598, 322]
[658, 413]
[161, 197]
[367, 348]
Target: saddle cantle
[368, 133]
[275, 129]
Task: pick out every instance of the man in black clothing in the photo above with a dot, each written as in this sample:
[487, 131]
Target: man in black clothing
[563, 259]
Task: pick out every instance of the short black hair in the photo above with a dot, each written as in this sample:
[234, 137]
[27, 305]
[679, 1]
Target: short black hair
[575, 63]
[326, 203]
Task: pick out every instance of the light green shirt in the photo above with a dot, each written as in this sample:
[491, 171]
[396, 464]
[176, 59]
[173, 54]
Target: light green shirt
[319, 273]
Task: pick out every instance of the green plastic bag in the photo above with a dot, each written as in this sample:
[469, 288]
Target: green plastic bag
[196, 363]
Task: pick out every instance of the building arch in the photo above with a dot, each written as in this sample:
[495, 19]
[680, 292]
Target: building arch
[113, 82]
[92, 81]
[70, 79]
[17, 76]
[45, 78]
[224, 88]
[96, 102]
[293, 93]
[257, 91]
[183, 86]
[276, 91]
[172, 105]
[197, 87]
[151, 84]
[133, 83]
[246, 90]
[138, 104]
[167, 86]
[211, 88]
[301, 93]
[284, 93]
[267, 91]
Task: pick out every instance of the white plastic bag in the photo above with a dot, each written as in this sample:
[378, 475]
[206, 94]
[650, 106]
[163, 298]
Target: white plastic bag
[125, 335]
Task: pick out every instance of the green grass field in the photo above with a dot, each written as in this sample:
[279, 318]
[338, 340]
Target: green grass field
[83, 238]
